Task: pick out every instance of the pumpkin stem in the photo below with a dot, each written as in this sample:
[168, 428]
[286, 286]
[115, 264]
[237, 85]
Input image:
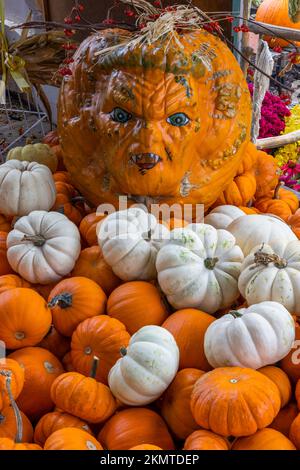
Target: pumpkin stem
[76, 199]
[260, 257]
[123, 351]
[94, 367]
[250, 203]
[37, 240]
[210, 263]
[63, 300]
[235, 314]
[276, 190]
[7, 374]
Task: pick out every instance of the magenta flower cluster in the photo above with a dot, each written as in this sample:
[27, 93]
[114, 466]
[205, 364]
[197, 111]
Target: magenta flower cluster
[273, 112]
[291, 175]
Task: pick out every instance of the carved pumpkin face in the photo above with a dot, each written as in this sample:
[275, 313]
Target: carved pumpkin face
[171, 126]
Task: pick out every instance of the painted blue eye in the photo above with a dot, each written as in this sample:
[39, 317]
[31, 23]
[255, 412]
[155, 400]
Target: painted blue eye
[120, 115]
[178, 119]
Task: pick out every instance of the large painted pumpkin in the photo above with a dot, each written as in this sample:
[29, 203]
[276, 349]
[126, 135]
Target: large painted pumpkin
[168, 121]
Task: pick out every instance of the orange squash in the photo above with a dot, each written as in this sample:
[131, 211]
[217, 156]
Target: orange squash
[284, 419]
[290, 364]
[135, 426]
[137, 304]
[62, 176]
[294, 433]
[264, 439]
[71, 439]
[5, 223]
[175, 404]
[205, 440]
[11, 281]
[69, 202]
[88, 228]
[145, 447]
[44, 289]
[282, 203]
[280, 378]
[56, 343]
[8, 426]
[240, 191]
[67, 362]
[266, 174]
[294, 222]
[9, 444]
[9, 368]
[41, 368]
[5, 267]
[188, 326]
[91, 264]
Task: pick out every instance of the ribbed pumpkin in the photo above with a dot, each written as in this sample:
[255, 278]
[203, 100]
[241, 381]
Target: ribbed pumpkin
[280, 378]
[145, 447]
[9, 368]
[175, 157]
[71, 439]
[40, 153]
[51, 422]
[62, 176]
[67, 362]
[137, 304]
[294, 222]
[41, 368]
[135, 426]
[73, 300]
[11, 281]
[175, 405]
[88, 227]
[284, 419]
[282, 203]
[69, 202]
[294, 433]
[91, 264]
[266, 174]
[8, 426]
[56, 343]
[9, 444]
[5, 267]
[188, 326]
[264, 439]
[205, 440]
[291, 363]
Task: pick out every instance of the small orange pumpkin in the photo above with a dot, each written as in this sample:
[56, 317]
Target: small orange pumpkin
[71, 439]
[264, 439]
[67, 362]
[9, 368]
[240, 191]
[62, 176]
[284, 419]
[69, 202]
[8, 425]
[145, 447]
[205, 440]
[290, 364]
[88, 228]
[294, 434]
[280, 378]
[5, 267]
[11, 281]
[266, 174]
[283, 203]
[73, 300]
[9, 444]
[56, 343]
[294, 222]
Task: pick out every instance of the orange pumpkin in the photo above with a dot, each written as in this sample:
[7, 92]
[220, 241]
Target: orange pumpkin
[249, 210]
[294, 222]
[62, 176]
[277, 14]
[44, 289]
[91, 264]
[290, 364]
[56, 343]
[73, 300]
[205, 440]
[88, 228]
[280, 378]
[11, 281]
[240, 191]
[234, 401]
[283, 203]
[175, 406]
[266, 174]
[24, 318]
[69, 202]
[137, 304]
[264, 439]
[9, 444]
[145, 447]
[100, 336]
[41, 368]
[67, 362]
[10, 368]
[294, 434]
[83, 397]
[135, 426]
[5, 267]
[188, 327]
[297, 393]
[71, 439]
[171, 159]
[8, 425]
[284, 419]
[51, 422]
[5, 223]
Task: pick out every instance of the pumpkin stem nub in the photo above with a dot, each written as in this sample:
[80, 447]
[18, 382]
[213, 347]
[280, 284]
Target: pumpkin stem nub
[94, 367]
[19, 422]
[235, 314]
[37, 240]
[123, 351]
[276, 190]
[63, 300]
[263, 258]
[210, 263]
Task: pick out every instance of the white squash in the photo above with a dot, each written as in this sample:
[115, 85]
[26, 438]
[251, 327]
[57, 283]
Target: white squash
[222, 216]
[130, 240]
[199, 267]
[43, 247]
[250, 337]
[147, 367]
[254, 230]
[269, 275]
[25, 187]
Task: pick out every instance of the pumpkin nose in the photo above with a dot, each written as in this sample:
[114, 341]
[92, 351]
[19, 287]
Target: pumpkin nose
[145, 161]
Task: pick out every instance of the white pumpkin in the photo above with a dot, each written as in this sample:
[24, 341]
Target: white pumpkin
[256, 229]
[130, 240]
[269, 275]
[25, 187]
[43, 247]
[147, 367]
[250, 337]
[222, 216]
[199, 267]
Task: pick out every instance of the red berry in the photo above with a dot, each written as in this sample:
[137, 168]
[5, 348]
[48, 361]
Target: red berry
[68, 20]
[68, 32]
[244, 28]
[157, 3]
[237, 29]
[230, 19]
[77, 18]
[80, 7]
[129, 13]
[108, 21]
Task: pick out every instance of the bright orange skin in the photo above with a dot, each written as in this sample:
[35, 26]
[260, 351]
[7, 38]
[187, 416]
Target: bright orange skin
[70, 391]
[88, 228]
[41, 369]
[66, 202]
[17, 380]
[276, 13]
[280, 378]
[294, 434]
[87, 300]
[197, 161]
[135, 426]
[5, 267]
[11, 281]
[145, 447]
[56, 343]
[100, 336]
[283, 205]
[188, 326]
[175, 405]
[71, 439]
[51, 422]
[62, 176]
[266, 173]
[284, 419]
[9, 444]
[294, 222]
[127, 304]
[24, 318]
[205, 440]
[8, 427]
[264, 439]
[291, 362]
[234, 401]
[92, 265]
[249, 210]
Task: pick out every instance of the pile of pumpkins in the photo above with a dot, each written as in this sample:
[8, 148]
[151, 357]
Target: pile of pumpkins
[126, 333]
